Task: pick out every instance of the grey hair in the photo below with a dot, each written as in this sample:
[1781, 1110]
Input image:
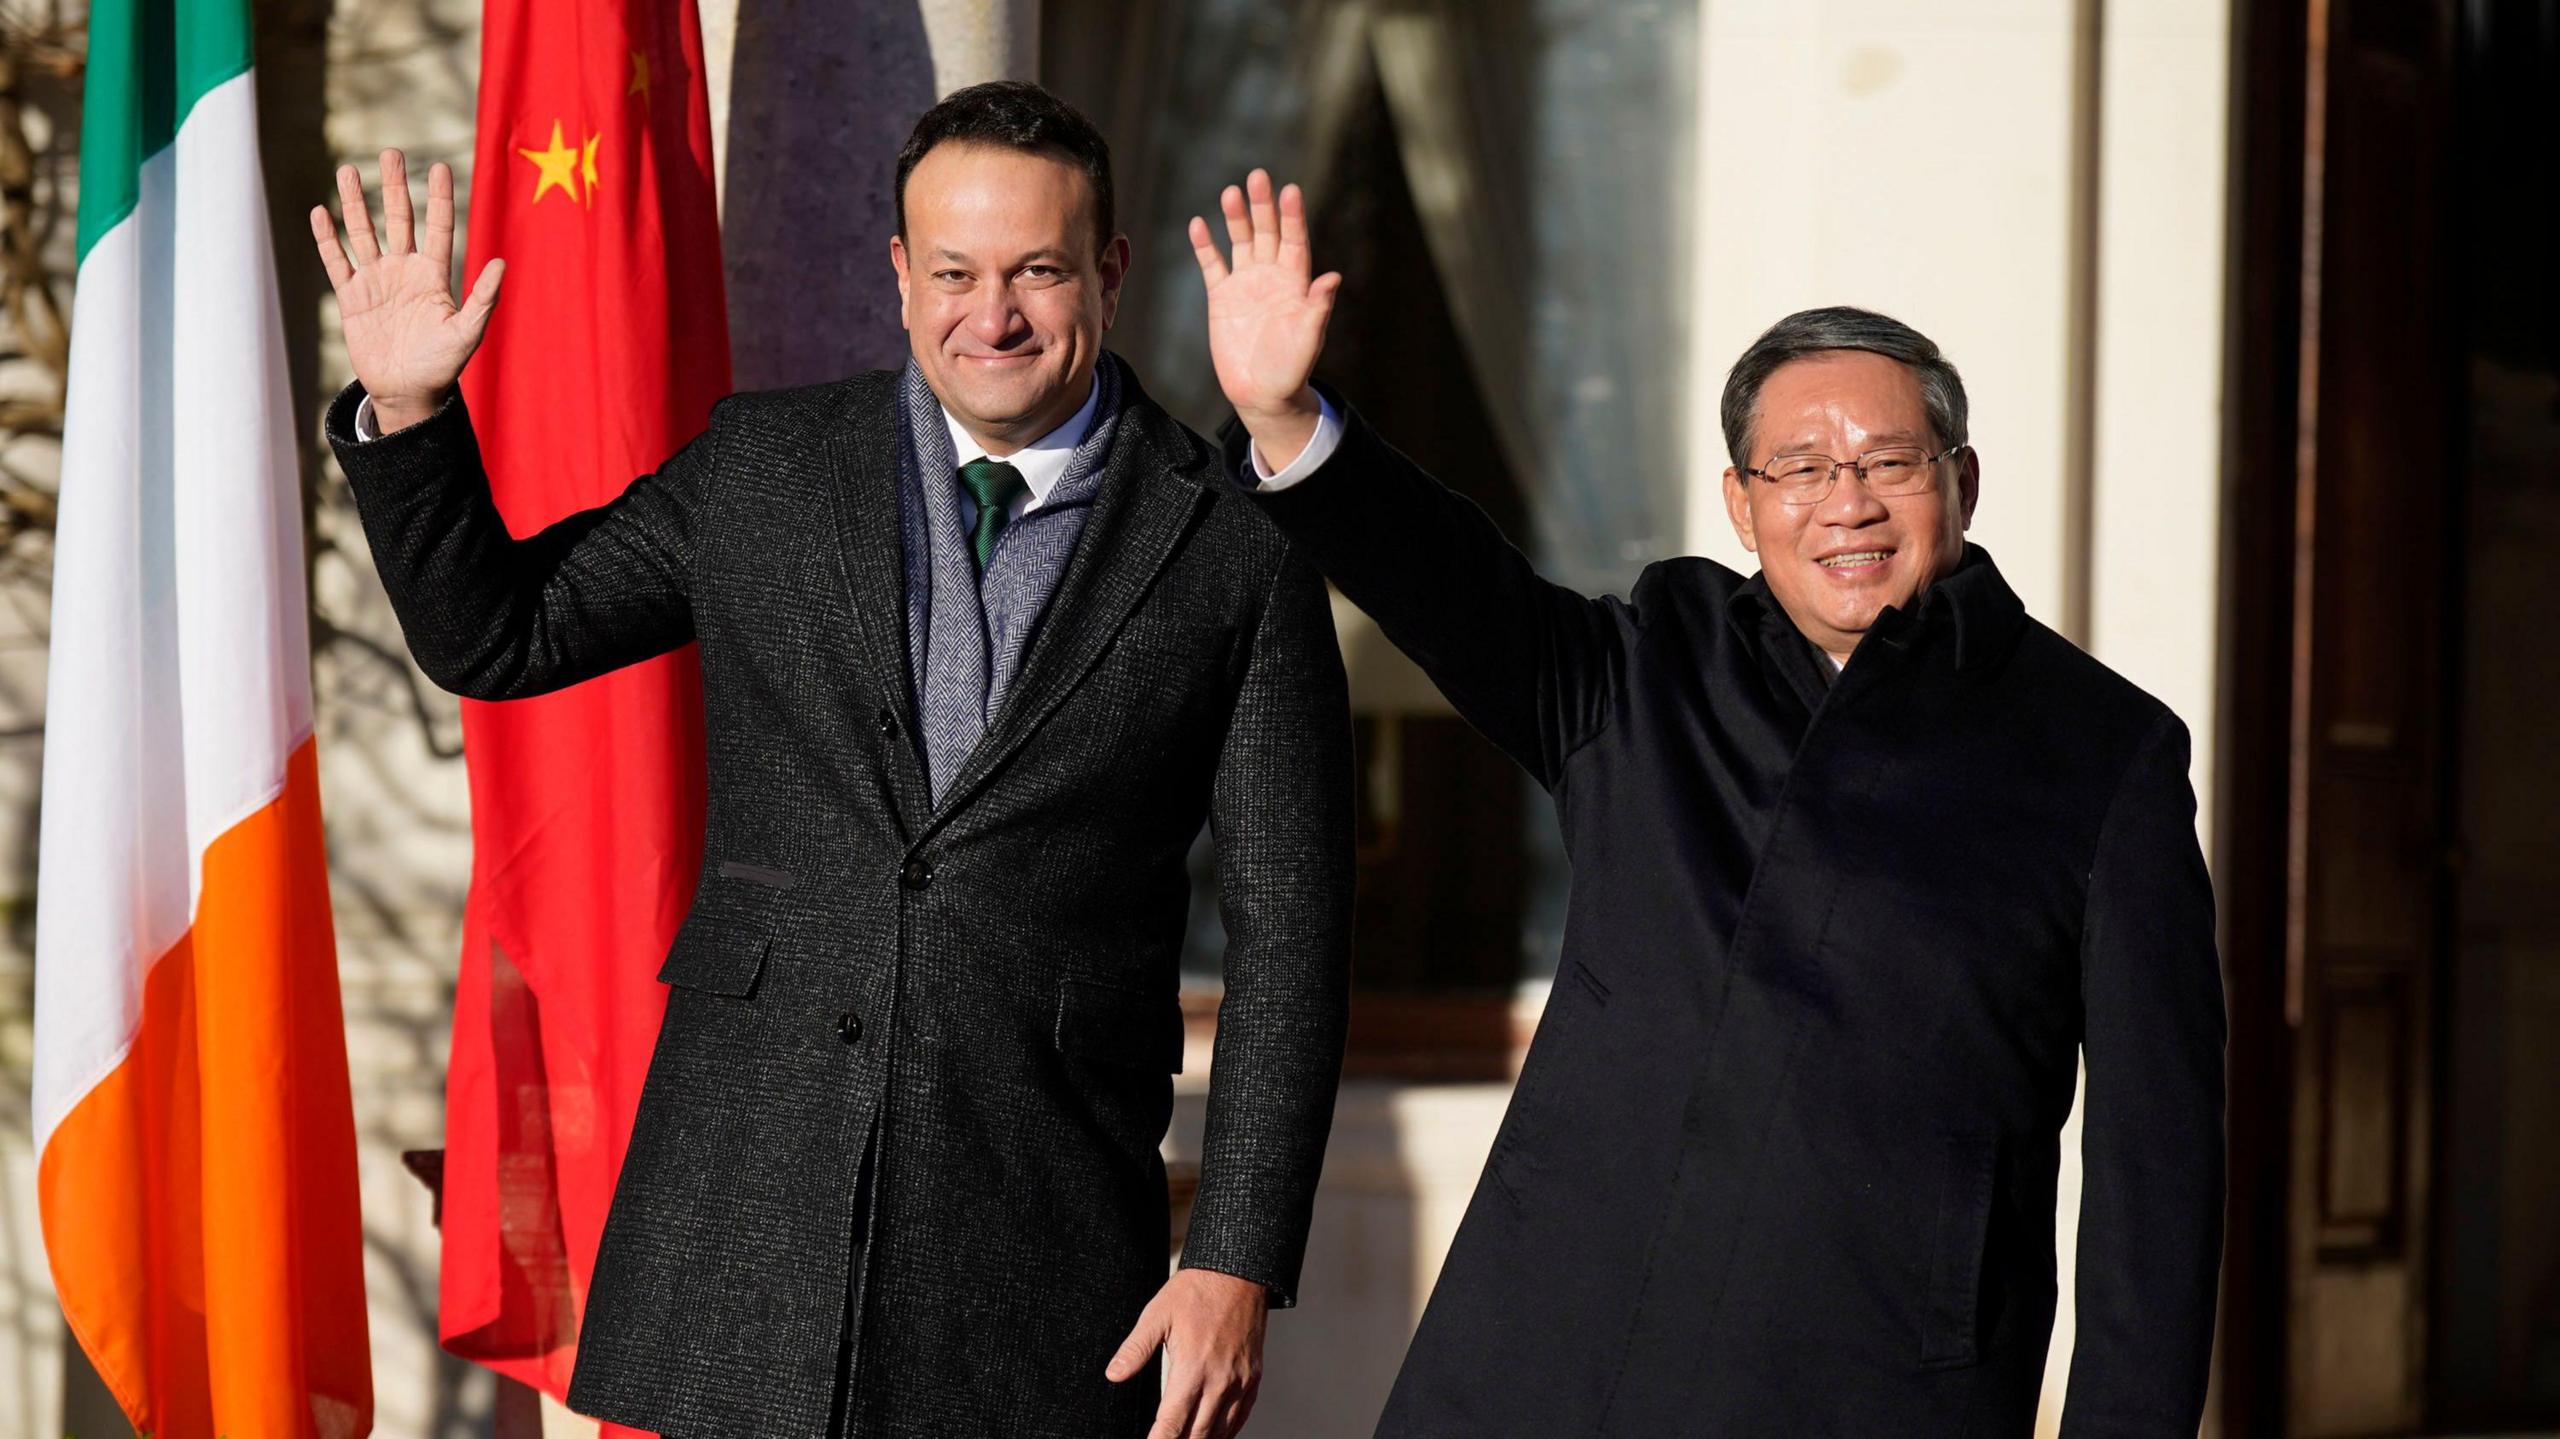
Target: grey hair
[1840, 327]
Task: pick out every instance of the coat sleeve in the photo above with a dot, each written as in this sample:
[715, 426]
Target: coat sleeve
[2152, 1139]
[1530, 664]
[492, 617]
[1280, 817]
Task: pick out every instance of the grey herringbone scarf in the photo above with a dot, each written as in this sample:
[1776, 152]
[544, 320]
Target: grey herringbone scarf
[966, 634]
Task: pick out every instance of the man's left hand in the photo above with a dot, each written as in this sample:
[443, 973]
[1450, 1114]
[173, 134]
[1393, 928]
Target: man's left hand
[1210, 1328]
[1267, 314]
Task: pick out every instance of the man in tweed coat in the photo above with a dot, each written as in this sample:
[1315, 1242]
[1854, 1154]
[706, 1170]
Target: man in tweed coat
[982, 646]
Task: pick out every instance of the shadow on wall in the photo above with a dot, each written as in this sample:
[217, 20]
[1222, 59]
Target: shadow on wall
[821, 96]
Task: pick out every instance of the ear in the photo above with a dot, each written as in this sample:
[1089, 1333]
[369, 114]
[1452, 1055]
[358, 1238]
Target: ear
[1968, 488]
[898, 262]
[1737, 508]
[1114, 267]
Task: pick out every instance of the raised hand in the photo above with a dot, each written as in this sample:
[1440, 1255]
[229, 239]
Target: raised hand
[1266, 316]
[406, 337]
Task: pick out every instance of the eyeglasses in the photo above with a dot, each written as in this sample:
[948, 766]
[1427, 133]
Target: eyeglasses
[1895, 470]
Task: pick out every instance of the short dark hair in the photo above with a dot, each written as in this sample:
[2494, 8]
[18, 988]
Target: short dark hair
[1015, 115]
[1840, 327]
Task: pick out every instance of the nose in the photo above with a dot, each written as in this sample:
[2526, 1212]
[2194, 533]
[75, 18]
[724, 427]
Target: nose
[994, 318]
[1850, 502]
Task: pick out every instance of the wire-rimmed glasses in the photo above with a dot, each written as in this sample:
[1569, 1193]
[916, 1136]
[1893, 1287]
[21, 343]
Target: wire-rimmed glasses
[1893, 470]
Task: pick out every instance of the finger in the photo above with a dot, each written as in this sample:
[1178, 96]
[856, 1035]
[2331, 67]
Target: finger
[324, 234]
[1138, 1348]
[1239, 1410]
[399, 228]
[352, 213]
[1239, 228]
[1322, 292]
[1174, 1415]
[473, 317]
[1293, 228]
[437, 244]
[1204, 248]
[1266, 215]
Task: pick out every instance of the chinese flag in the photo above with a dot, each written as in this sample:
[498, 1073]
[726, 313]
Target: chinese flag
[593, 181]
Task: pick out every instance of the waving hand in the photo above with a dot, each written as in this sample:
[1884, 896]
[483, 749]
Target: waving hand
[407, 338]
[1266, 315]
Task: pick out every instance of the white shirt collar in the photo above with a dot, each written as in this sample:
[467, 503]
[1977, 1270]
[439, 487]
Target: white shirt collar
[1044, 461]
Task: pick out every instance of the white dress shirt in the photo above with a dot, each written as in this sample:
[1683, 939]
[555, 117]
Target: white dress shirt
[1042, 463]
[1320, 448]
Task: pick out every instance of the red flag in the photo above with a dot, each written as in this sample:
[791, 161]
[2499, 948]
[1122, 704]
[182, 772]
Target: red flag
[593, 181]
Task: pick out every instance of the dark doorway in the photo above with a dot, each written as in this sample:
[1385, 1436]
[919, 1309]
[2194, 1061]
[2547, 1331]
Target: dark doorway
[2387, 850]
[2494, 1325]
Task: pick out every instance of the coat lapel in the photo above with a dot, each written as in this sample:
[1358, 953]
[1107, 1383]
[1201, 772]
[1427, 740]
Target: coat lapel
[862, 493]
[1146, 501]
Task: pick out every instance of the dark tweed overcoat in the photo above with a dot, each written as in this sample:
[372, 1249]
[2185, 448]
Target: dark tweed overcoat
[990, 985]
[1783, 1157]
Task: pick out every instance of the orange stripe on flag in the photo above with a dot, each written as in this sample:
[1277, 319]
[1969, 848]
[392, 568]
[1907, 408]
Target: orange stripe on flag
[200, 1203]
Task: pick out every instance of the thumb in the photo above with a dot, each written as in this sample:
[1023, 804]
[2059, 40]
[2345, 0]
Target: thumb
[1322, 295]
[1140, 1346]
[473, 317]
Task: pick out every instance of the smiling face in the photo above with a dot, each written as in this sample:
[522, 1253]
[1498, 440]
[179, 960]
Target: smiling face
[1004, 288]
[1835, 565]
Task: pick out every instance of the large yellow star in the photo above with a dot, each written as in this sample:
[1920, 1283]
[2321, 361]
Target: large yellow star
[559, 166]
[639, 74]
[588, 168]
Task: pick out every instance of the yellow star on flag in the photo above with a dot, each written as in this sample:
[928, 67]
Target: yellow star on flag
[639, 74]
[588, 168]
[559, 166]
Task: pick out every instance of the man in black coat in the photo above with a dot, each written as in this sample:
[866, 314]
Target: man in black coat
[1864, 862]
[982, 646]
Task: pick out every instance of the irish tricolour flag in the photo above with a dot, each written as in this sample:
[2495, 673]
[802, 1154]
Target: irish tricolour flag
[197, 1153]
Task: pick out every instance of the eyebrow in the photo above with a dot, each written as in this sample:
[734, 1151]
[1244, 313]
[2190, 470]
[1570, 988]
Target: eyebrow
[1052, 254]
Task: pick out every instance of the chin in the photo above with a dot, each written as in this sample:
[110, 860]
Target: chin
[1004, 403]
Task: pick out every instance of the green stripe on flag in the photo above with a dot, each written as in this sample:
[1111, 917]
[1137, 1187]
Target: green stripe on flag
[149, 62]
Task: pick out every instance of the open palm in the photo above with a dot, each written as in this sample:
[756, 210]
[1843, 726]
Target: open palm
[1266, 316]
[407, 338]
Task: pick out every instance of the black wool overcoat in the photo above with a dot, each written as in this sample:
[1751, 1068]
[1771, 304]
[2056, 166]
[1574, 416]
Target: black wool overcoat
[988, 987]
[1783, 1157]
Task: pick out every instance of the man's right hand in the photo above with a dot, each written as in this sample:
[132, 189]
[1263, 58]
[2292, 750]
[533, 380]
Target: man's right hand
[406, 338]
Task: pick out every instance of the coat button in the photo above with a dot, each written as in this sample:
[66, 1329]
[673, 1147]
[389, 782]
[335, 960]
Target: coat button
[916, 875]
[888, 725]
[849, 1028]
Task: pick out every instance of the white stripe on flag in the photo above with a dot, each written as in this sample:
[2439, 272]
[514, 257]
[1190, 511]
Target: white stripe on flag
[179, 680]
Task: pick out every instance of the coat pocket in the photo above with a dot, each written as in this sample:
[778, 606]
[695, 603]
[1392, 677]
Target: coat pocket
[1107, 1024]
[1950, 1320]
[722, 946]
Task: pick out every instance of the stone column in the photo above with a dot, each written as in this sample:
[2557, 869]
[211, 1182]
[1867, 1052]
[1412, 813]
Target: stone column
[980, 40]
[810, 100]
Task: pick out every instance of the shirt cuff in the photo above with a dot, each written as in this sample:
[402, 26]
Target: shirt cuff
[366, 429]
[1320, 448]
